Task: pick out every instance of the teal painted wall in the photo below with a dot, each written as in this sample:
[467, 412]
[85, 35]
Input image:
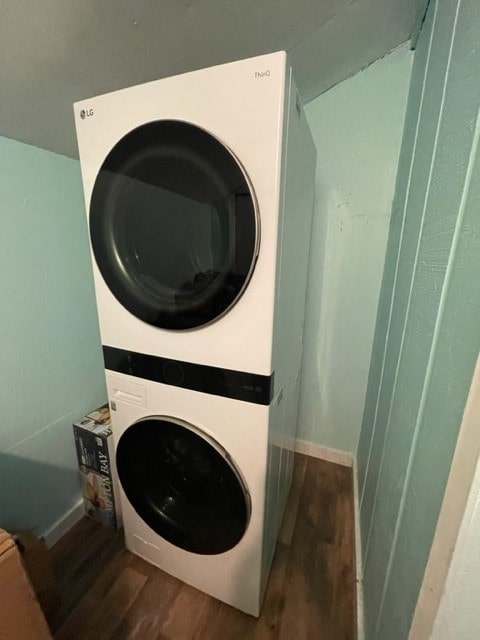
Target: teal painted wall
[428, 329]
[51, 367]
[357, 127]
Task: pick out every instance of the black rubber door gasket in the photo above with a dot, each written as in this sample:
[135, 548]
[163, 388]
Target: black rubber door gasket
[183, 485]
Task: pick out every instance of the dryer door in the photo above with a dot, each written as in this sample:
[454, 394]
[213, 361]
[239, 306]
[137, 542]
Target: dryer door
[174, 225]
[183, 485]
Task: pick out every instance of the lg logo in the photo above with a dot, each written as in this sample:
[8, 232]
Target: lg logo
[86, 113]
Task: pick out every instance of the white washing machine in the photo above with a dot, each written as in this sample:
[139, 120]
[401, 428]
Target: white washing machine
[192, 185]
[199, 499]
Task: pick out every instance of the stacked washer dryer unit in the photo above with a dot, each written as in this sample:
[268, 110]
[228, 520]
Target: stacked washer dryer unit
[199, 192]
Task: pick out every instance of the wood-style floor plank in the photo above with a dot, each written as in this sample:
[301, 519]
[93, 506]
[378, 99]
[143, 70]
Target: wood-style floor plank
[291, 509]
[152, 607]
[86, 562]
[110, 594]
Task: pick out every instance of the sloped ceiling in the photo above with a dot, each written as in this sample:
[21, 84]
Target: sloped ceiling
[55, 52]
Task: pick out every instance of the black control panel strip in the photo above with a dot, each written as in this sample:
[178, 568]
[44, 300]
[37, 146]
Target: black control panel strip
[250, 387]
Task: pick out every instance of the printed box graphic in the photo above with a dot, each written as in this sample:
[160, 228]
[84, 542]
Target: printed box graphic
[95, 454]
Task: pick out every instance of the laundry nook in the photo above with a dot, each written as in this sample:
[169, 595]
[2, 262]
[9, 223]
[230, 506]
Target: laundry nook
[241, 386]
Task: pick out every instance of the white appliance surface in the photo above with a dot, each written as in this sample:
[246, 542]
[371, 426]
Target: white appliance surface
[252, 107]
[241, 428]
[242, 104]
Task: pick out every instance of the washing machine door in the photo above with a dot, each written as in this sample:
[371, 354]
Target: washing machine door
[174, 225]
[183, 484]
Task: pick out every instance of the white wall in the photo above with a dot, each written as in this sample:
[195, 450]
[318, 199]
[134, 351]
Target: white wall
[447, 544]
[357, 127]
[458, 616]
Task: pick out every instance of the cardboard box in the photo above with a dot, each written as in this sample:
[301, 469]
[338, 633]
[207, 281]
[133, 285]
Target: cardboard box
[21, 617]
[96, 455]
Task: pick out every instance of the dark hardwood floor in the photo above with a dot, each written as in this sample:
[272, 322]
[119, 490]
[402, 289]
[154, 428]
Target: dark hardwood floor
[110, 594]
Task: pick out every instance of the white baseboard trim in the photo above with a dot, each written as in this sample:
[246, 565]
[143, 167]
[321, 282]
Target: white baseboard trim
[64, 524]
[324, 453]
[358, 557]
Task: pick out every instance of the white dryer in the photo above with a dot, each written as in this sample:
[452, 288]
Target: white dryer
[199, 193]
[199, 498]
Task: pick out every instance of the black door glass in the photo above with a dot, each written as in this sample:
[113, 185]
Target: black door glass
[182, 486]
[173, 225]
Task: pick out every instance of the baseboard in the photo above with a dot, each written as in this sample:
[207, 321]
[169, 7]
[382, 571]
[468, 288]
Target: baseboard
[324, 453]
[64, 524]
[358, 557]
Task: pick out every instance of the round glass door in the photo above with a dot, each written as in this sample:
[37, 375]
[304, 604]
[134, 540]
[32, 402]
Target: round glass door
[174, 225]
[183, 485]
